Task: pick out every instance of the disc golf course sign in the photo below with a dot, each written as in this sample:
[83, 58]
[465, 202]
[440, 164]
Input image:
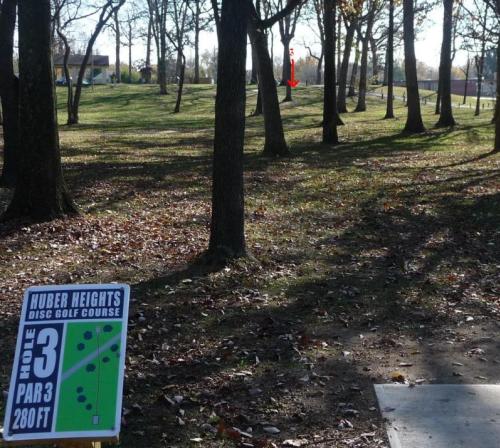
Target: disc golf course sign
[67, 378]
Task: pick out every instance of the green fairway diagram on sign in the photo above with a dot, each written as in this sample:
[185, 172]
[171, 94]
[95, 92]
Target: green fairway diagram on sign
[67, 379]
[90, 366]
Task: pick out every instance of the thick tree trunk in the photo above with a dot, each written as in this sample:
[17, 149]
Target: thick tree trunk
[344, 67]
[414, 123]
[497, 106]
[181, 84]
[258, 105]
[446, 116]
[253, 76]
[118, 72]
[227, 235]
[363, 78]
[287, 70]
[197, 31]
[330, 135]
[338, 39]
[162, 66]
[373, 48]
[9, 90]
[390, 64]
[275, 144]
[354, 73]
[40, 192]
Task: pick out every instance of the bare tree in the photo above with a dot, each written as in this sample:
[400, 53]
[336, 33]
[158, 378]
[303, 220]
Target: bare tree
[287, 27]
[177, 37]
[107, 10]
[158, 18]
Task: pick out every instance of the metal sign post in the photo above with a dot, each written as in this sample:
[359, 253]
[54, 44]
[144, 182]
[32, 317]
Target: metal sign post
[67, 379]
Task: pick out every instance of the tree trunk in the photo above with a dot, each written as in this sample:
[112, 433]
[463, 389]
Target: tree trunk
[67, 76]
[162, 66]
[479, 66]
[197, 30]
[338, 39]
[227, 235]
[437, 110]
[118, 72]
[373, 48]
[148, 53]
[414, 123]
[363, 78]
[319, 69]
[466, 87]
[181, 84]
[344, 67]
[40, 192]
[446, 116]
[275, 144]
[9, 93]
[253, 76]
[497, 104]
[258, 105]
[130, 53]
[390, 63]
[287, 70]
[354, 73]
[330, 135]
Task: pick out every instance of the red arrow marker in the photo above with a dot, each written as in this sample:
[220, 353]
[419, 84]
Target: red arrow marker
[293, 82]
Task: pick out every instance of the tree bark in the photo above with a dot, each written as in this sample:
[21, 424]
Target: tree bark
[162, 65]
[354, 73]
[258, 105]
[373, 48]
[363, 78]
[253, 76]
[148, 53]
[319, 69]
[466, 87]
[446, 115]
[227, 235]
[344, 67]
[497, 104]
[275, 144]
[118, 72]
[330, 135]
[130, 53]
[40, 192]
[437, 110]
[390, 64]
[181, 84]
[197, 31]
[287, 70]
[414, 123]
[9, 93]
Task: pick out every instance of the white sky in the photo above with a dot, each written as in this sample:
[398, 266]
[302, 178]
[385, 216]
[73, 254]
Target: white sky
[427, 46]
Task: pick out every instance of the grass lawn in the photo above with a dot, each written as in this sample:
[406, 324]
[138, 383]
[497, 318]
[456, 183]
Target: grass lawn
[375, 260]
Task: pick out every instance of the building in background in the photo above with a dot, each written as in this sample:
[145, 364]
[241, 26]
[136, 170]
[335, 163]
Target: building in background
[97, 71]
